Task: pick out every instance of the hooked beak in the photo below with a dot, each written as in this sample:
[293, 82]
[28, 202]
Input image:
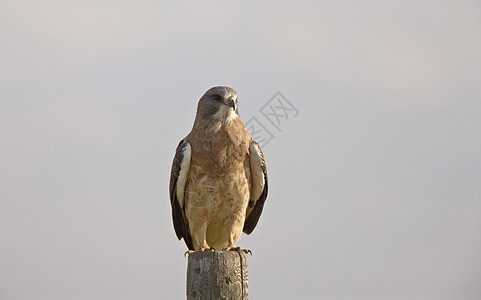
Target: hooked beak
[232, 104]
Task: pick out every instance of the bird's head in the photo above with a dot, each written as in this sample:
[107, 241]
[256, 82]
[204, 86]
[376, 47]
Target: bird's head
[219, 103]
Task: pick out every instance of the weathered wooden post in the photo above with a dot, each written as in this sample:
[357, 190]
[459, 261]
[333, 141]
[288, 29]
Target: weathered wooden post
[217, 275]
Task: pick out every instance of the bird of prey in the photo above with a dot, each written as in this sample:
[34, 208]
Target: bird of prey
[218, 180]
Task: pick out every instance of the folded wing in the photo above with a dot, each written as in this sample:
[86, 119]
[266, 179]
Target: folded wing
[258, 187]
[178, 180]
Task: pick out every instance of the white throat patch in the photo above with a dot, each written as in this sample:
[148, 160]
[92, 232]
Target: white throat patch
[225, 113]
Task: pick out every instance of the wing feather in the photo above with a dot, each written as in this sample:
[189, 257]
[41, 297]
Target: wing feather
[178, 180]
[259, 187]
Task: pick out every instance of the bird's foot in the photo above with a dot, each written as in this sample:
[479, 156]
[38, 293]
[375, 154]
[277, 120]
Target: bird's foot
[201, 249]
[205, 249]
[237, 249]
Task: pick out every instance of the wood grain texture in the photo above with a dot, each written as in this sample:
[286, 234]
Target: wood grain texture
[217, 275]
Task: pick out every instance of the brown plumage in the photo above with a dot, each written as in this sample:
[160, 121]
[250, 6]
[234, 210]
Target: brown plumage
[218, 182]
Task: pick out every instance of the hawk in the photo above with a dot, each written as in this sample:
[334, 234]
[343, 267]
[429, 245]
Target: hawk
[218, 180]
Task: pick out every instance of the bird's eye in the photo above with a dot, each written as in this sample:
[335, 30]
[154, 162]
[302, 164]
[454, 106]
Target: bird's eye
[217, 98]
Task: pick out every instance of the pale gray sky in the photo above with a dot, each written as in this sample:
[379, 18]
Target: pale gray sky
[375, 187]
